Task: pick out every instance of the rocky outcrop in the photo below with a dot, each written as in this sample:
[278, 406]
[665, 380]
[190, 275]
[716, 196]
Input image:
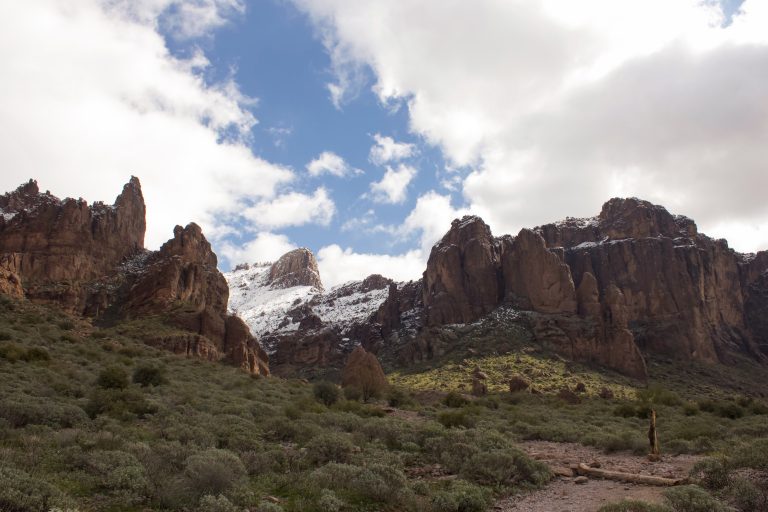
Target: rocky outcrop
[10, 283]
[91, 260]
[56, 247]
[462, 281]
[295, 268]
[648, 281]
[363, 371]
[182, 282]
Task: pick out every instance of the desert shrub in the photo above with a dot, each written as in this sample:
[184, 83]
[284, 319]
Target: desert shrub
[690, 409]
[11, 352]
[753, 455]
[398, 397]
[149, 375]
[329, 502]
[353, 393]
[690, 498]
[747, 496]
[118, 473]
[455, 399]
[326, 392]
[220, 503]
[458, 418]
[504, 467]
[20, 492]
[37, 354]
[213, 471]
[22, 411]
[329, 447]
[119, 403]
[66, 325]
[377, 482]
[112, 377]
[712, 473]
[625, 410]
[730, 410]
[758, 408]
[707, 405]
[461, 497]
[633, 506]
[657, 395]
[266, 506]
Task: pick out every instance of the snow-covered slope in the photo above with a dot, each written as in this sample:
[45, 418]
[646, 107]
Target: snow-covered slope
[270, 310]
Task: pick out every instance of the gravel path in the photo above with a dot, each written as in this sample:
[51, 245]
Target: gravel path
[565, 495]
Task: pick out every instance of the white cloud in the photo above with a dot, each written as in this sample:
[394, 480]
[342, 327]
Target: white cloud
[90, 95]
[558, 105]
[329, 162]
[393, 186]
[339, 265]
[431, 218]
[386, 150]
[266, 247]
[292, 209]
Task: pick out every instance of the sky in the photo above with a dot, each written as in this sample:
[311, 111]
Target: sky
[361, 129]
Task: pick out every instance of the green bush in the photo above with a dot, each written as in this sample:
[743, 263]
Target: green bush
[689, 498]
[119, 403]
[329, 502]
[398, 397]
[119, 474]
[19, 492]
[625, 410]
[747, 496]
[458, 418]
[330, 447]
[218, 503]
[11, 352]
[690, 409]
[461, 497]
[21, 411]
[113, 377]
[730, 410]
[213, 471]
[353, 393]
[149, 375]
[377, 482]
[455, 399]
[657, 395]
[712, 473]
[326, 392]
[504, 467]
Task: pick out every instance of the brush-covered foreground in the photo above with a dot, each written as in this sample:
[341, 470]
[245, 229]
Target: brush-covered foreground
[92, 419]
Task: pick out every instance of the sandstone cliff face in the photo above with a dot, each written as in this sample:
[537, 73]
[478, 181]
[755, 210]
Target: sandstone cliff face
[633, 279]
[57, 246]
[462, 280]
[181, 281]
[91, 260]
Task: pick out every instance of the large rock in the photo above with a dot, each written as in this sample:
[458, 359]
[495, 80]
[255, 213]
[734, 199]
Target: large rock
[91, 260]
[462, 281]
[295, 268]
[182, 282]
[58, 246]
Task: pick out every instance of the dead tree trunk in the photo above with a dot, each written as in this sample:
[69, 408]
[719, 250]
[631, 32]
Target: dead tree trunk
[653, 439]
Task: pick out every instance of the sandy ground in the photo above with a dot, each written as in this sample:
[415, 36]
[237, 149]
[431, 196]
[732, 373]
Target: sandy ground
[565, 495]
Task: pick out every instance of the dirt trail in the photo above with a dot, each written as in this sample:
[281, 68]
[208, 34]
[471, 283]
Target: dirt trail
[565, 495]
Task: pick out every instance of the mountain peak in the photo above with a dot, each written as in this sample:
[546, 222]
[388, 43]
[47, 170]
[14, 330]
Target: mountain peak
[295, 268]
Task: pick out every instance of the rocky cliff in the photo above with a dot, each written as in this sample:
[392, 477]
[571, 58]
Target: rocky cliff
[633, 279]
[91, 260]
[56, 247]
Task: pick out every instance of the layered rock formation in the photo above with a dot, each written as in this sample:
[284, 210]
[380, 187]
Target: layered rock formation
[633, 279]
[91, 260]
[58, 246]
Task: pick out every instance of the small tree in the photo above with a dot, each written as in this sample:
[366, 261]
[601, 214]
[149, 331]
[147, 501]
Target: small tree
[326, 392]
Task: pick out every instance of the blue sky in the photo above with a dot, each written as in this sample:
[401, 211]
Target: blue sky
[523, 112]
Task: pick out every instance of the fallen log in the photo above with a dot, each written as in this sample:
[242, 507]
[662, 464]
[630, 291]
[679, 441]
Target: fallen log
[632, 478]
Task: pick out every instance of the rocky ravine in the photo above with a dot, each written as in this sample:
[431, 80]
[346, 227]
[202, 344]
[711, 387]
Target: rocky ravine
[632, 281]
[90, 260]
